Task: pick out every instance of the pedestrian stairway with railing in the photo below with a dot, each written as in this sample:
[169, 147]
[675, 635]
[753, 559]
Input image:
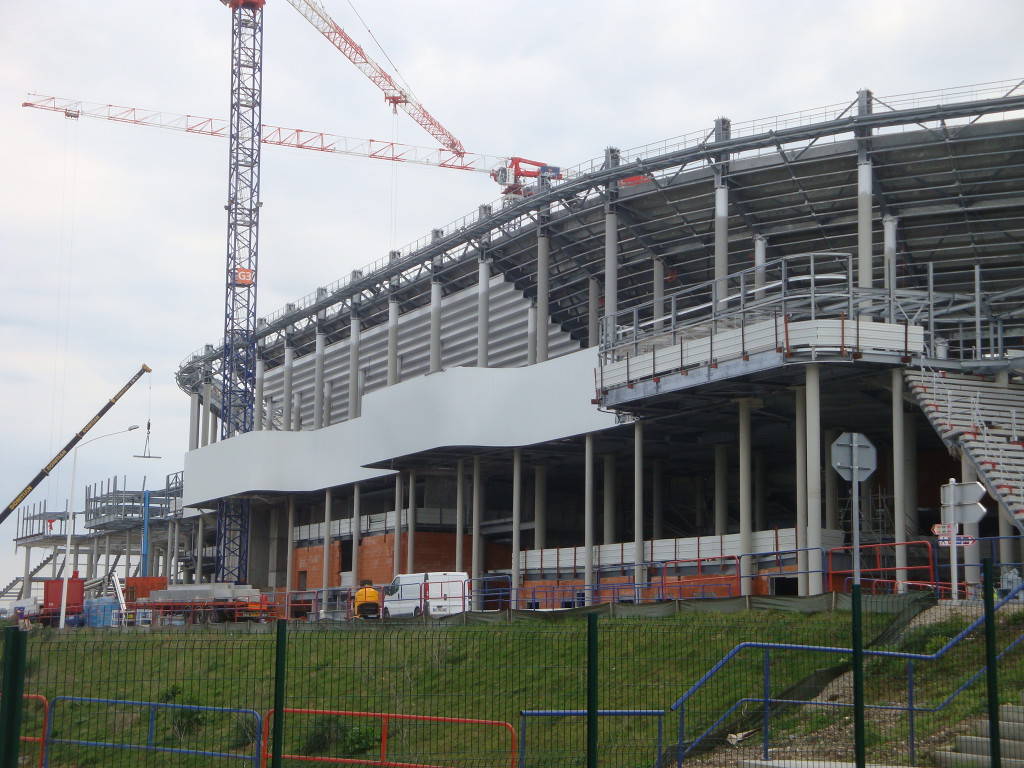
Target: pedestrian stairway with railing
[984, 418]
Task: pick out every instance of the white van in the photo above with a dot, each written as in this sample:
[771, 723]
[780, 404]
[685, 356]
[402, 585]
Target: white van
[436, 594]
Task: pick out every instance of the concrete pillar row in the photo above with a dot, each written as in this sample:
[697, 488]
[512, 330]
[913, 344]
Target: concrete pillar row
[357, 528]
[460, 513]
[543, 277]
[436, 298]
[899, 494]
[259, 407]
[816, 559]
[318, 381]
[801, 489]
[517, 522]
[410, 544]
[483, 310]
[746, 405]
[354, 390]
[288, 394]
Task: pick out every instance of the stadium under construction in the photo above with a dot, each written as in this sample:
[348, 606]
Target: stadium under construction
[623, 383]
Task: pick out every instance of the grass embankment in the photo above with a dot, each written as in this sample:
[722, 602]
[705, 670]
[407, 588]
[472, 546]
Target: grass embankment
[478, 672]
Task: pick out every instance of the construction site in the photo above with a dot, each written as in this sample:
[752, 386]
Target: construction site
[624, 381]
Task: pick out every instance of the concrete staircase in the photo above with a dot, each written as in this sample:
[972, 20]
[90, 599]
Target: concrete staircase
[984, 418]
[973, 750]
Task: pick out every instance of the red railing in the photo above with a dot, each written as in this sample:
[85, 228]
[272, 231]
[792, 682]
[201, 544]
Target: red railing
[385, 719]
[873, 567]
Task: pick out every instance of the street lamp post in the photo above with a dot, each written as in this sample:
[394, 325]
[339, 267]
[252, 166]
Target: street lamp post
[71, 521]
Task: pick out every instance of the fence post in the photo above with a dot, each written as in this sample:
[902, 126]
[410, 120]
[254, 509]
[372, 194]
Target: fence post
[280, 659]
[592, 702]
[858, 680]
[15, 647]
[992, 677]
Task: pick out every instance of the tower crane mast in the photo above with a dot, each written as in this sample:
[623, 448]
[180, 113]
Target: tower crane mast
[238, 372]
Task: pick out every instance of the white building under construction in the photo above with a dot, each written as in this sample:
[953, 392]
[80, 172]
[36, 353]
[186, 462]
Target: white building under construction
[623, 384]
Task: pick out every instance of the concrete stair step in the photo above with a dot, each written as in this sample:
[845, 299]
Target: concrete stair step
[958, 760]
[1011, 713]
[979, 745]
[1007, 731]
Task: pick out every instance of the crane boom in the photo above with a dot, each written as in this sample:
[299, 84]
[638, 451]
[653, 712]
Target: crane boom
[71, 444]
[315, 14]
[295, 138]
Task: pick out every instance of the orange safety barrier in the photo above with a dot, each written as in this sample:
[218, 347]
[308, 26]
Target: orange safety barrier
[874, 567]
[385, 718]
[41, 738]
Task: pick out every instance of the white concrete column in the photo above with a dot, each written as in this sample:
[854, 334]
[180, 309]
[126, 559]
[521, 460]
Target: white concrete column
[899, 493]
[325, 576]
[721, 489]
[328, 402]
[410, 539]
[436, 296]
[483, 312]
[354, 391]
[168, 573]
[392, 340]
[593, 311]
[273, 549]
[200, 536]
[721, 236]
[318, 381]
[890, 225]
[638, 500]
[972, 555]
[657, 498]
[517, 522]
[588, 518]
[543, 273]
[290, 544]
[864, 224]
[658, 290]
[760, 253]
[26, 578]
[288, 396]
[477, 557]
[815, 555]
[204, 428]
[611, 261]
[396, 553]
[745, 484]
[259, 406]
[94, 561]
[357, 528]
[801, 489]
[540, 507]
[609, 499]
[531, 335]
[460, 512]
[831, 484]
[297, 412]
[193, 421]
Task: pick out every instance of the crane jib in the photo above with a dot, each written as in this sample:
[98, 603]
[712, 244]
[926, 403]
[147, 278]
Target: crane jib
[71, 444]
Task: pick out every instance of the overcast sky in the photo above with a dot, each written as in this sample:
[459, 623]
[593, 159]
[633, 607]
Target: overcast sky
[112, 237]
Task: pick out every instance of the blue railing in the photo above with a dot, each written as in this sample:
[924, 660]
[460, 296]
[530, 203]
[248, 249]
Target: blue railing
[766, 700]
[151, 745]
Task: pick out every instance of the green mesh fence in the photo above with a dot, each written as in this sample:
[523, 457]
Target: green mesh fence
[501, 690]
